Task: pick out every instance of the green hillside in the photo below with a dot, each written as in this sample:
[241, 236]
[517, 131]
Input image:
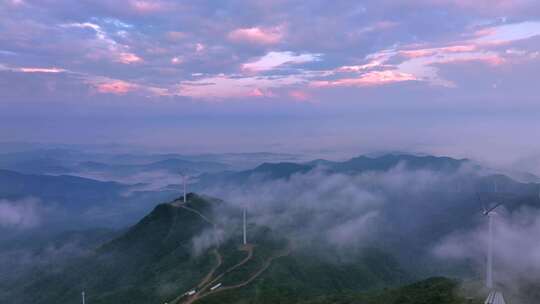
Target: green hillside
[150, 263]
[430, 291]
[155, 262]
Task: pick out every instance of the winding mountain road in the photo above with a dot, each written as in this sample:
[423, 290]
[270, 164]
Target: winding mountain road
[209, 280]
[254, 276]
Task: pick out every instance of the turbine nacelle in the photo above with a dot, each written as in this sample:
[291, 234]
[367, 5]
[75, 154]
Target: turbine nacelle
[490, 211]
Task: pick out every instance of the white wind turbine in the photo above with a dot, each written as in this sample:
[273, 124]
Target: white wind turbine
[494, 297]
[83, 297]
[489, 266]
[184, 182]
[244, 226]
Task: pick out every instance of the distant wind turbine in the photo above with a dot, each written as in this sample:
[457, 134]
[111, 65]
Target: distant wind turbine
[83, 297]
[244, 226]
[184, 181]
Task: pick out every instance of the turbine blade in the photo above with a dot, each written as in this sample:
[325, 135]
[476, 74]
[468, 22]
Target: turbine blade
[494, 207]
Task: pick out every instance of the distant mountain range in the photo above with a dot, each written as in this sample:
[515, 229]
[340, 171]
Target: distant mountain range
[68, 202]
[271, 171]
[63, 161]
[86, 200]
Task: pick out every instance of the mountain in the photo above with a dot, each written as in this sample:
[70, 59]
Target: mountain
[284, 170]
[172, 250]
[74, 161]
[20, 256]
[37, 165]
[63, 188]
[68, 202]
[172, 165]
[438, 290]
[148, 263]
[389, 161]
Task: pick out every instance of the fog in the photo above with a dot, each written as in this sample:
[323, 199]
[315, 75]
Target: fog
[427, 216]
[21, 214]
[516, 250]
[344, 211]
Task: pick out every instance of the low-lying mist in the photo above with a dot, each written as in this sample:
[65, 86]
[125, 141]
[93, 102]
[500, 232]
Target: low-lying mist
[21, 214]
[407, 212]
[516, 250]
[340, 209]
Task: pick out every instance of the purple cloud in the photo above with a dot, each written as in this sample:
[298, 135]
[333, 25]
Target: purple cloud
[165, 62]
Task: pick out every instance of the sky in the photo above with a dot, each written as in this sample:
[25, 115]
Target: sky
[452, 77]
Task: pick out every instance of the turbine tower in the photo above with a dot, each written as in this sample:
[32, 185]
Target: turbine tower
[184, 180]
[244, 226]
[83, 297]
[489, 265]
[494, 297]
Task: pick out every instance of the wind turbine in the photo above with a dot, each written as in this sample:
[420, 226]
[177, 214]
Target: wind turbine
[489, 267]
[184, 181]
[494, 296]
[244, 226]
[83, 297]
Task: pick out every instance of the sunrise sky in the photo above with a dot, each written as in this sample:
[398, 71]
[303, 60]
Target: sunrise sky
[452, 77]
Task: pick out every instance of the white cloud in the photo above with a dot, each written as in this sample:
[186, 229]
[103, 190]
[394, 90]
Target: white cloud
[20, 214]
[274, 60]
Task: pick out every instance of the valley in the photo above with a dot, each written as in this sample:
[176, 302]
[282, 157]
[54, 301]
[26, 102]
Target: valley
[192, 251]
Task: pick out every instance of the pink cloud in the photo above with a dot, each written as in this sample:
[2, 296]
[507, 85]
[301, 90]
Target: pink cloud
[459, 48]
[485, 32]
[258, 92]
[177, 60]
[428, 52]
[128, 58]
[175, 36]
[418, 53]
[40, 70]
[374, 78]
[229, 86]
[299, 95]
[257, 35]
[16, 3]
[144, 7]
[491, 59]
[118, 87]
[385, 24]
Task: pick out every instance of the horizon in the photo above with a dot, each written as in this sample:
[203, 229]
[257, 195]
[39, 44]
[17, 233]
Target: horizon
[527, 166]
